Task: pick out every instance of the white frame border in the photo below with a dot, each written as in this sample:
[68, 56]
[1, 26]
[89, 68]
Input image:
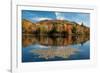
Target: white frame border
[17, 66]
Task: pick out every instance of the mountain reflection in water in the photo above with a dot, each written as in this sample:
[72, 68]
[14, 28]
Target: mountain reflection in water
[46, 48]
[52, 52]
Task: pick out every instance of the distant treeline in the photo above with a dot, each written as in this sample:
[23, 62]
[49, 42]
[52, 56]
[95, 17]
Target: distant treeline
[54, 27]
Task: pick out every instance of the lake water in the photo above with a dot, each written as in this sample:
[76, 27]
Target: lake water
[45, 48]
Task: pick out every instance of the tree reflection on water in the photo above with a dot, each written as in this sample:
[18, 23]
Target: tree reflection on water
[52, 47]
[57, 41]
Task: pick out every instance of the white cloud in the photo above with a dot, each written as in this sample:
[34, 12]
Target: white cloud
[40, 18]
[59, 16]
[44, 19]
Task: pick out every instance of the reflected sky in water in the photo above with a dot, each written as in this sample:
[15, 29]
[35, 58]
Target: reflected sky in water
[44, 48]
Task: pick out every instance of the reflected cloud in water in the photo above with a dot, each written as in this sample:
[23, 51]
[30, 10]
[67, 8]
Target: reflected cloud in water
[52, 52]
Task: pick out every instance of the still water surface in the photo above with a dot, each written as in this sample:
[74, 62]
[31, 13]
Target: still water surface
[45, 48]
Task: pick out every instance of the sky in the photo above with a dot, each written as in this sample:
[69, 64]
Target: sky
[36, 16]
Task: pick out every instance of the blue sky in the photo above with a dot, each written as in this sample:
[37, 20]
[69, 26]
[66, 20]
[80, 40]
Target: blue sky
[36, 16]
